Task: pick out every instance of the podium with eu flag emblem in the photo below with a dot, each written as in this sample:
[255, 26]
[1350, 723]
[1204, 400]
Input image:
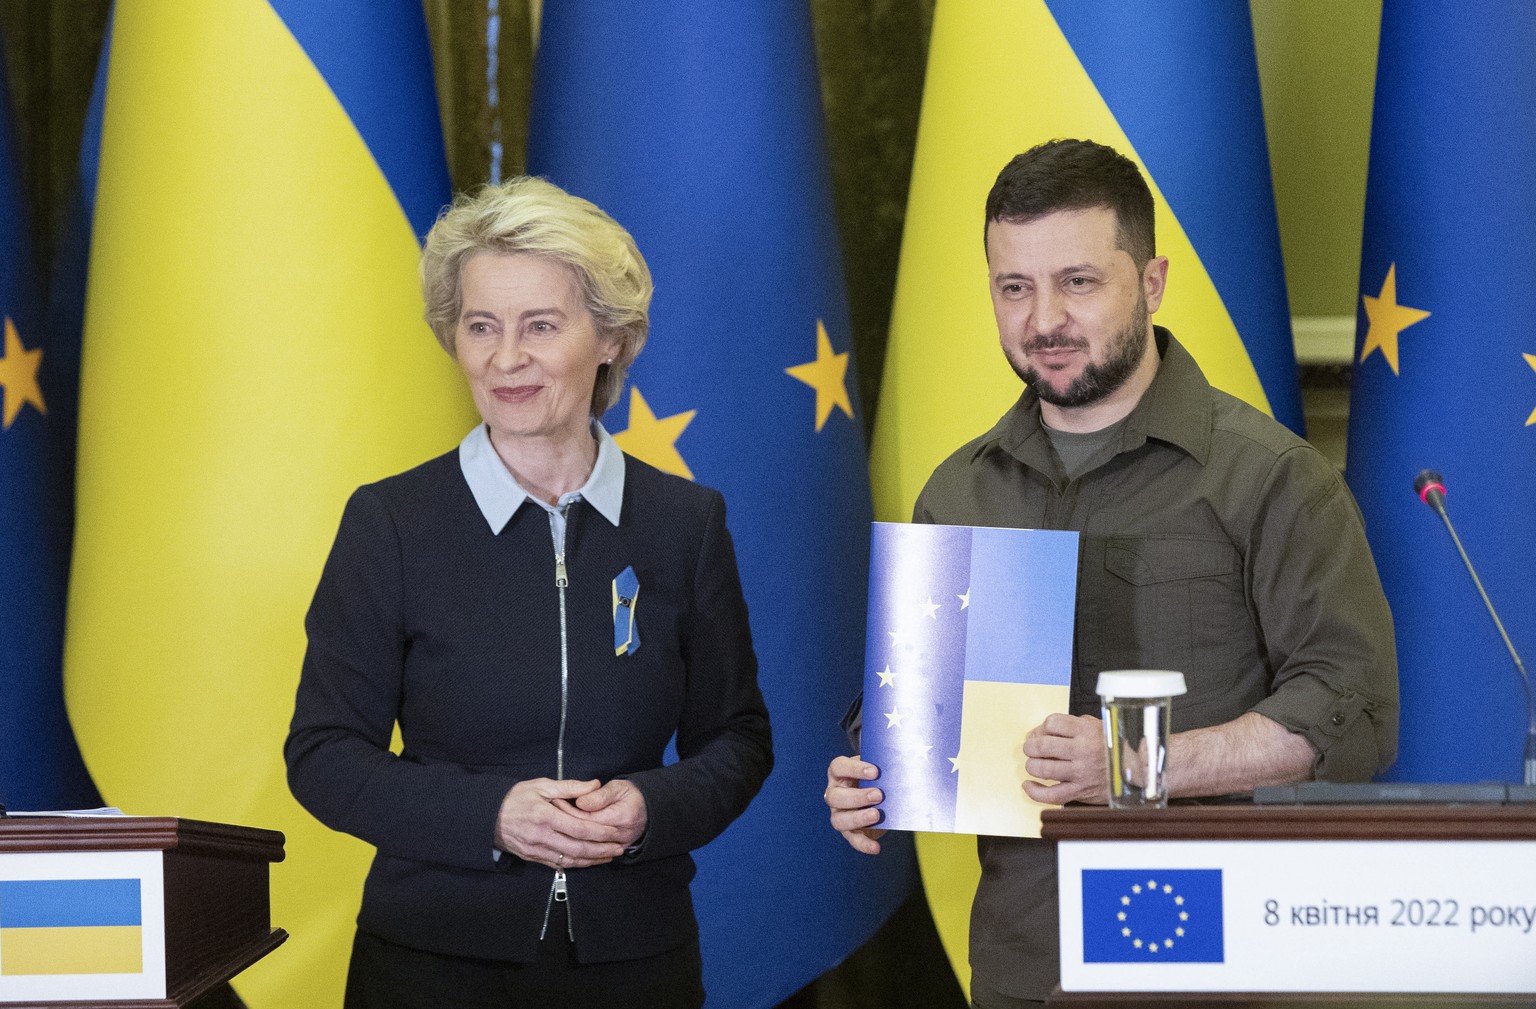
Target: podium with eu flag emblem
[117, 912]
[1383, 904]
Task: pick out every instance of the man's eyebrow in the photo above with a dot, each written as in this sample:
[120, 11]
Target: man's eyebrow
[1065, 271]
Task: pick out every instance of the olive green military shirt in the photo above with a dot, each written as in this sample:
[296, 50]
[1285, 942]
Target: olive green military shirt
[1214, 542]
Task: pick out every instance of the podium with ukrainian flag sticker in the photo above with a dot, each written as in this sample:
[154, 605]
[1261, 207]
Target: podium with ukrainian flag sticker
[118, 912]
[1390, 906]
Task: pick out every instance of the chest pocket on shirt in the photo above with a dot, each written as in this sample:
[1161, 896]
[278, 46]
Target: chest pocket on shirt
[1165, 603]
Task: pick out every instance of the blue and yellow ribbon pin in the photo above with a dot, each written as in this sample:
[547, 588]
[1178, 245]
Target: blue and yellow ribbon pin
[626, 589]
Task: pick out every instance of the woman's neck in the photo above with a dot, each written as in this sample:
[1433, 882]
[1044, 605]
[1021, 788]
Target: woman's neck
[548, 468]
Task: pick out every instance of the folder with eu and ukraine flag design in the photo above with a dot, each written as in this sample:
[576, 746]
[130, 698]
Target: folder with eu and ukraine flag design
[969, 647]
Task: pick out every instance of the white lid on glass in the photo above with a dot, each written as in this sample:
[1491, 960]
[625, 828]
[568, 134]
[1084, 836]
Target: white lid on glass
[1140, 683]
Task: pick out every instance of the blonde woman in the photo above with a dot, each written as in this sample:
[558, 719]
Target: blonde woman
[539, 614]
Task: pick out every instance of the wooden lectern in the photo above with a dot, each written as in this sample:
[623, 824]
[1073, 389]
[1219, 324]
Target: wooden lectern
[1290, 906]
[203, 913]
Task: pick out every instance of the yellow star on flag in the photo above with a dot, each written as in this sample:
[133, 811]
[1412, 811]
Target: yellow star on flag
[652, 439]
[828, 375]
[1530, 359]
[18, 376]
[1387, 319]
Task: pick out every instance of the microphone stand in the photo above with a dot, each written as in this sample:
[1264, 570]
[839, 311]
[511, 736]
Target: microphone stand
[1433, 494]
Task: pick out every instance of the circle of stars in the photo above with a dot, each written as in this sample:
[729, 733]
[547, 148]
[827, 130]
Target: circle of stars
[1151, 889]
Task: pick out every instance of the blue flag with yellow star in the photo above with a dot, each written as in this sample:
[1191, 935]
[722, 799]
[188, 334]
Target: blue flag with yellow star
[697, 125]
[40, 766]
[1445, 373]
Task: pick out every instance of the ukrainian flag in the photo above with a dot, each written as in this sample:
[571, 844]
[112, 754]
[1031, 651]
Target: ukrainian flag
[71, 926]
[254, 350]
[1445, 373]
[1174, 86]
[697, 125]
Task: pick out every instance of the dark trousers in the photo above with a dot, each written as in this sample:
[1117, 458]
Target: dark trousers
[984, 996]
[384, 975]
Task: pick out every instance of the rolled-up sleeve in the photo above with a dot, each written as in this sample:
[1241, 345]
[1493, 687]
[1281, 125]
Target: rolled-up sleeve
[1326, 626]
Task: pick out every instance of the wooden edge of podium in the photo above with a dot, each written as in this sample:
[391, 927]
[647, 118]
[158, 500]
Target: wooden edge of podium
[191, 988]
[140, 833]
[1283, 1000]
[188, 990]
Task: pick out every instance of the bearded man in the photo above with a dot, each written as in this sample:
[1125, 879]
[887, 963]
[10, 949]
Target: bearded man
[1214, 542]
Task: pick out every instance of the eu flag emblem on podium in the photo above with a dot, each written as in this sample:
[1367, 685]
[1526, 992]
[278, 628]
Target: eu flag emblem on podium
[1152, 915]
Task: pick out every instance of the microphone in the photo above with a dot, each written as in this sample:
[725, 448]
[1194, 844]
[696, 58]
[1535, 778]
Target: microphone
[1431, 490]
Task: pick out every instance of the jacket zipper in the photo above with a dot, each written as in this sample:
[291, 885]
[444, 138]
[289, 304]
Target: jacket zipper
[557, 889]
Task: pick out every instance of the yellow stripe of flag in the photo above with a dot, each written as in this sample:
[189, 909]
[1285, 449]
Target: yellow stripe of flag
[94, 949]
[253, 352]
[1001, 78]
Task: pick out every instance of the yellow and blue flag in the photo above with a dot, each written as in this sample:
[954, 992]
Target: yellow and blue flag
[1174, 86]
[698, 126]
[254, 351]
[1445, 373]
[40, 766]
[969, 647]
[71, 926]
[1153, 916]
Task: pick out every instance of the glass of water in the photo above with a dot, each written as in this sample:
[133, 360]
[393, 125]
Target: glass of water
[1135, 705]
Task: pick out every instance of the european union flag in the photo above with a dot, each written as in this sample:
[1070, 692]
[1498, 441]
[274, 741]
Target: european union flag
[969, 647]
[40, 767]
[698, 126]
[1152, 916]
[1445, 373]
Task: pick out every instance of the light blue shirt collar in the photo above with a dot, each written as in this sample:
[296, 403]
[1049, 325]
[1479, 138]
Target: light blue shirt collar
[499, 496]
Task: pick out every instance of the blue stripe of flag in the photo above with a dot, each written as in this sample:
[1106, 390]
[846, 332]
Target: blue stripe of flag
[61, 903]
[1023, 605]
[392, 101]
[1182, 80]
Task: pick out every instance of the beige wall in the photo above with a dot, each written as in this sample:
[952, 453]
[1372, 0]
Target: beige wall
[1317, 69]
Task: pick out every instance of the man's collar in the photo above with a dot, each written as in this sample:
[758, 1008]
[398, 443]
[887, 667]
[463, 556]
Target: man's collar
[1174, 409]
[499, 495]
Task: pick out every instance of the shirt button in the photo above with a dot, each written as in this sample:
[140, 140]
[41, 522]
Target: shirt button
[1338, 719]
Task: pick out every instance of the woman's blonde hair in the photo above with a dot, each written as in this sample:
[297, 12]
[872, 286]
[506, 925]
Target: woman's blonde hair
[528, 214]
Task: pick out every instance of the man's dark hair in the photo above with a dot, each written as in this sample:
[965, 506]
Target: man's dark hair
[1077, 175]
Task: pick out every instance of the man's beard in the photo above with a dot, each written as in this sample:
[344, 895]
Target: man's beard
[1096, 380]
